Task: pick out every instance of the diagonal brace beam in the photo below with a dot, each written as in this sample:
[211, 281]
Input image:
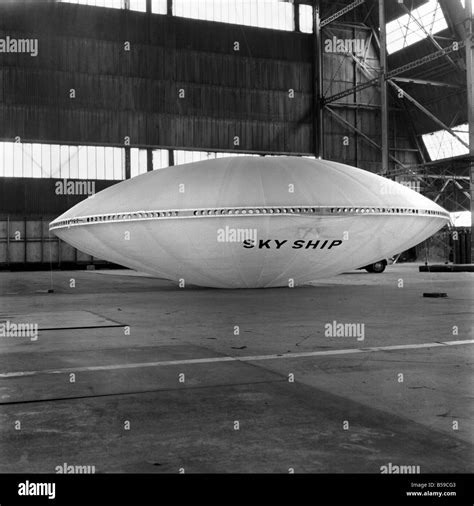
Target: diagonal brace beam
[428, 113]
[455, 46]
[340, 13]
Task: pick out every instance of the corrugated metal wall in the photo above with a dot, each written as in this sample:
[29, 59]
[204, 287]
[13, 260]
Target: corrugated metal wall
[27, 206]
[135, 93]
[28, 242]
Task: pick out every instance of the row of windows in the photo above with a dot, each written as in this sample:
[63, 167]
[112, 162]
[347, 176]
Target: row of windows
[159, 6]
[100, 162]
[56, 161]
[181, 156]
[319, 210]
[275, 14]
[141, 215]
[22, 159]
[278, 14]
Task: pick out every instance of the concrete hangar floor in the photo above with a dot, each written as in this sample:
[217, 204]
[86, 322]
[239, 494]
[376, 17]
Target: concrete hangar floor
[133, 374]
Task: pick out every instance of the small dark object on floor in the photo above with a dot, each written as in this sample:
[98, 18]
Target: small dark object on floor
[435, 294]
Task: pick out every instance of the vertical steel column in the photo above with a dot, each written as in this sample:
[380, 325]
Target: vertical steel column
[383, 86]
[149, 160]
[169, 7]
[170, 158]
[318, 126]
[356, 110]
[470, 107]
[296, 15]
[127, 163]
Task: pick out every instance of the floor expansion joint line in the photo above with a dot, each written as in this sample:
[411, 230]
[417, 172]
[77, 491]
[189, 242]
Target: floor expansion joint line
[139, 392]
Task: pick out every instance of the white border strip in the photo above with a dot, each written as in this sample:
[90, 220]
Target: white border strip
[251, 358]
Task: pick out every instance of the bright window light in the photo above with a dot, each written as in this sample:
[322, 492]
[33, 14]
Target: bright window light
[182, 156]
[61, 161]
[442, 144]
[463, 2]
[134, 5]
[160, 159]
[306, 18]
[262, 13]
[461, 218]
[411, 28]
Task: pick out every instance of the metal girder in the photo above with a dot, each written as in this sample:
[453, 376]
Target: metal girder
[441, 191]
[318, 120]
[428, 113]
[455, 46]
[424, 82]
[383, 87]
[470, 106]
[363, 135]
[458, 184]
[363, 105]
[444, 176]
[340, 13]
[350, 91]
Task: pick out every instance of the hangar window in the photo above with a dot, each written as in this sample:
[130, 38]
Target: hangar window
[306, 18]
[463, 2]
[442, 144]
[139, 160]
[185, 156]
[262, 13]
[133, 5]
[61, 161]
[160, 159]
[414, 26]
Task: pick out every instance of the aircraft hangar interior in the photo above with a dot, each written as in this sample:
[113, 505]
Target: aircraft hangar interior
[235, 236]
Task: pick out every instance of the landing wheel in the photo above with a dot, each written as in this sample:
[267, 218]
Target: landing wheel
[377, 267]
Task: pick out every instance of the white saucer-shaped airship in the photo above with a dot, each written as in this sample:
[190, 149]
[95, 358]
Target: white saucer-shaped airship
[250, 222]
